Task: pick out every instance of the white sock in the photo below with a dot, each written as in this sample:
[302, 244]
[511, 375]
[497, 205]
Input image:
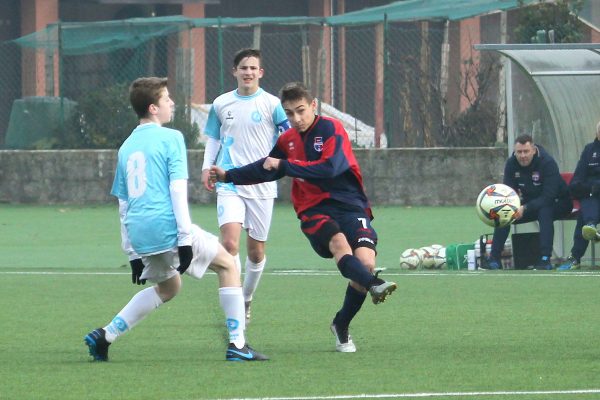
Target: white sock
[143, 303]
[232, 303]
[252, 277]
[238, 263]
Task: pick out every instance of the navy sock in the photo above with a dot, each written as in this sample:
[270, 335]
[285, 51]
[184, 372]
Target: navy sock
[351, 268]
[352, 304]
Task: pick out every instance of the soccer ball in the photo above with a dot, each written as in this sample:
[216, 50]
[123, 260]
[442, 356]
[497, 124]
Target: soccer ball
[496, 205]
[434, 256]
[440, 260]
[411, 259]
[429, 253]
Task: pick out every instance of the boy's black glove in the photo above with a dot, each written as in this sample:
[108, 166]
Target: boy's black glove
[137, 267]
[185, 258]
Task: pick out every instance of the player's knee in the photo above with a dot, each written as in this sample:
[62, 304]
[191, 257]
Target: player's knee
[168, 289]
[366, 254]
[256, 254]
[256, 257]
[232, 246]
[225, 267]
[338, 244]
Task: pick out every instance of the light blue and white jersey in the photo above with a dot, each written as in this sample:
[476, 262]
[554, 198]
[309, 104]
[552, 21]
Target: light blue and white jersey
[247, 127]
[150, 158]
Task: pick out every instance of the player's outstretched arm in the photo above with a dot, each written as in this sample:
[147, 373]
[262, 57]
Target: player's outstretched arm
[332, 162]
[249, 174]
[271, 164]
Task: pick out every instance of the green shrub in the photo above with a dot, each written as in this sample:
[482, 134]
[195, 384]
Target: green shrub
[104, 119]
[182, 121]
[559, 16]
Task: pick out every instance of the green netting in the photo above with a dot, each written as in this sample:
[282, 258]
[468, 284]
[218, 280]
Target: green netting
[97, 37]
[215, 22]
[413, 10]
[100, 37]
[399, 86]
[105, 36]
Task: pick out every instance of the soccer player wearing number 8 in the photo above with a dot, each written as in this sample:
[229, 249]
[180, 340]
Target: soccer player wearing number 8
[329, 199]
[156, 230]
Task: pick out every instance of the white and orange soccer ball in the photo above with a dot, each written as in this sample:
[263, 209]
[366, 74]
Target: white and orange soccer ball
[429, 254]
[434, 256]
[411, 259]
[496, 205]
[440, 260]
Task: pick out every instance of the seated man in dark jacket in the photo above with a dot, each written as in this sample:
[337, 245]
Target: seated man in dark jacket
[534, 175]
[585, 186]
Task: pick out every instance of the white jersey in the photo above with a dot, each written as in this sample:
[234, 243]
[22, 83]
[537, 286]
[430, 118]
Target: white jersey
[247, 128]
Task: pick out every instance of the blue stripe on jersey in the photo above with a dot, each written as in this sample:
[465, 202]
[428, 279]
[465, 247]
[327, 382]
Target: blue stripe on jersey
[281, 122]
[213, 125]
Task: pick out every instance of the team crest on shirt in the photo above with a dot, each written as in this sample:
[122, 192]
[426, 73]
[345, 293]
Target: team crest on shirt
[535, 176]
[318, 143]
[594, 155]
[291, 146]
[229, 116]
[256, 117]
[517, 174]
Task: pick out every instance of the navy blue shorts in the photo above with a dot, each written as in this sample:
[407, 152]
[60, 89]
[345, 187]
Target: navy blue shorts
[320, 223]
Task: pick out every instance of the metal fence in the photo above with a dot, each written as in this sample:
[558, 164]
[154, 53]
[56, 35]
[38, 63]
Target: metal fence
[397, 84]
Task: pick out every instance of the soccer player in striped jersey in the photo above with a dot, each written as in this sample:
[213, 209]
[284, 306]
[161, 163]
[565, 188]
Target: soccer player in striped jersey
[328, 197]
[242, 127]
[156, 230]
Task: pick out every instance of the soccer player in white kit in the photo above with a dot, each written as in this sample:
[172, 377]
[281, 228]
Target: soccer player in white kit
[242, 127]
[151, 185]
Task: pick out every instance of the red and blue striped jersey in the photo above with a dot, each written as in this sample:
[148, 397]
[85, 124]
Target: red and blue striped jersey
[321, 163]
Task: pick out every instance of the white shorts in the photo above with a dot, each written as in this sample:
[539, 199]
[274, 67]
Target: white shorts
[254, 214]
[162, 266]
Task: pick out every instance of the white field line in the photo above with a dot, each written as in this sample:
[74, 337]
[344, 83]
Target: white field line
[435, 395]
[433, 274]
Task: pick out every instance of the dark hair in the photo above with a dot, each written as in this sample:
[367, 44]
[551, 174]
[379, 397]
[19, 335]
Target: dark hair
[294, 91]
[523, 139]
[243, 53]
[145, 91]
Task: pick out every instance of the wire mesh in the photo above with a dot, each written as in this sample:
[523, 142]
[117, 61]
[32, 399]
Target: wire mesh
[389, 83]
